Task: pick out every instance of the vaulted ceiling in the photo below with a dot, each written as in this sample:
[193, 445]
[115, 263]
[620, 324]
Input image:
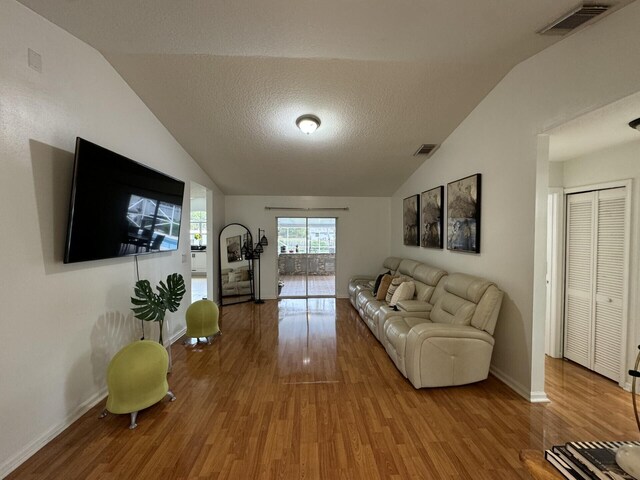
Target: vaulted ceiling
[229, 78]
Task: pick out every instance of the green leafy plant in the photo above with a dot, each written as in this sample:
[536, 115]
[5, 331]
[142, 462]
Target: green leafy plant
[151, 306]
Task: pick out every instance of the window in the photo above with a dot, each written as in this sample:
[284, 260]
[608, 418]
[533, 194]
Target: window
[198, 231]
[295, 237]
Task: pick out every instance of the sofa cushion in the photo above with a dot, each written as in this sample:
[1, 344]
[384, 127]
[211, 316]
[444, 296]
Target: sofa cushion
[407, 267]
[453, 310]
[426, 278]
[391, 263]
[404, 292]
[384, 286]
[456, 304]
[428, 275]
[467, 286]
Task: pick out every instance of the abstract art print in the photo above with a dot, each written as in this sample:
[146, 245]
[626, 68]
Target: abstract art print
[463, 214]
[431, 222]
[410, 213]
[234, 253]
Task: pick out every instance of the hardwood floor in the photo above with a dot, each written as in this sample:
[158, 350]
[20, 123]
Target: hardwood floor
[302, 389]
[294, 285]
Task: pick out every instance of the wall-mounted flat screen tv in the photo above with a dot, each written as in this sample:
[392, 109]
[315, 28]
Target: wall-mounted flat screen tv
[120, 207]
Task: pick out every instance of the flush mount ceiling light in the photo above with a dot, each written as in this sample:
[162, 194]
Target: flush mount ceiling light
[635, 124]
[308, 123]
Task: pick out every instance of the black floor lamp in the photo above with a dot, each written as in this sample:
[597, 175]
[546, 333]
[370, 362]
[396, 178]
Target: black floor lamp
[257, 251]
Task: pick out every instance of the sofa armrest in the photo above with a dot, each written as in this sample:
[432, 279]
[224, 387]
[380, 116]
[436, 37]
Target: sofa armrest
[414, 306]
[361, 279]
[440, 354]
[424, 331]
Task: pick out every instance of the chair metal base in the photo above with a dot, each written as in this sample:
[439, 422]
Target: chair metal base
[134, 415]
[196, 340]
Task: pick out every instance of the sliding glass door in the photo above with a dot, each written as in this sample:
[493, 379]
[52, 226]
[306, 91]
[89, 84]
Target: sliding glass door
[306, 257]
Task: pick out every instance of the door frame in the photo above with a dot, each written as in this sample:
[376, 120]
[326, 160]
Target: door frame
[558, 323]
[554, 326]
[335, 275]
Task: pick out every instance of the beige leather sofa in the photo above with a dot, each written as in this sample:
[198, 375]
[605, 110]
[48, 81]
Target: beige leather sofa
[376, 312]
[366, 282]
[444, 335]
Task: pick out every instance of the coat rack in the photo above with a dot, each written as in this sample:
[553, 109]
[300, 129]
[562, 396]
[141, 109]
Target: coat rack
[257, 251]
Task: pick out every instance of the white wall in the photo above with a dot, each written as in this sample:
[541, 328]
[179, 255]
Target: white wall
[584, 71]
[621, 162]
[62, 323]
[199, 204]
[615, 163]
[363, 232]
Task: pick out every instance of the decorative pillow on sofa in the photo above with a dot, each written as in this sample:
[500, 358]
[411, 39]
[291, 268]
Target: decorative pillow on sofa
[384, 286]
[404, 292]
[376, 286]
[395, 283]
[233, 277]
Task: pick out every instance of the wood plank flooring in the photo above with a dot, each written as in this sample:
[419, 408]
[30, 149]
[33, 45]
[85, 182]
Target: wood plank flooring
[301, 389]
[294, 285]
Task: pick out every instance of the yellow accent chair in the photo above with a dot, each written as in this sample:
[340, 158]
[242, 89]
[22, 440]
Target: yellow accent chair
[202, 320]
[137, 379]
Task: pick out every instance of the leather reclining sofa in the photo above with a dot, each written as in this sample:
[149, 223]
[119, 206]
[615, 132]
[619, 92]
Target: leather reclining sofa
[443, 336]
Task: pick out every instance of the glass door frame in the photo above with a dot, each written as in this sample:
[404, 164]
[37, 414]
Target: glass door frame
[306, 254]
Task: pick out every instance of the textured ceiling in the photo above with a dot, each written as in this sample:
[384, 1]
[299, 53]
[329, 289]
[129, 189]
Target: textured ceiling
[229, 78]
[603, 128]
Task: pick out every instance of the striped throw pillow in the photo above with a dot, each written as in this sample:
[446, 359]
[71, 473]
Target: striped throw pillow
[395, 283]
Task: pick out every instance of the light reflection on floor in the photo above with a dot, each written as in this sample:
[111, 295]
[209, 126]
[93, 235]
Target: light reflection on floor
[307, 340]
[198, 288]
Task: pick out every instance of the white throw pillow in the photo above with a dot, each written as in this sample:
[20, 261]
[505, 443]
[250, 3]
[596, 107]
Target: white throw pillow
[404, 292]
[233, 277]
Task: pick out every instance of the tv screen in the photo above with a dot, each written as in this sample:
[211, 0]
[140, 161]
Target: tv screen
[120, 207]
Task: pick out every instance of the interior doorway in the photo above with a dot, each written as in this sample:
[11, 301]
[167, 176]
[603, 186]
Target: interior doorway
[596, 279]
[306, 256]
[584, 306]
[199, 240]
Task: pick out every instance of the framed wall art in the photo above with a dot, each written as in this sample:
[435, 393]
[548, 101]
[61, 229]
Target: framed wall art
[431, 227]
[463, 214]
[410, 214]
[234, 249]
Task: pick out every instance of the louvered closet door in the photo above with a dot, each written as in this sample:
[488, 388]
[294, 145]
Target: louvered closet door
[595, 276]
[609, 281]
[579, 274]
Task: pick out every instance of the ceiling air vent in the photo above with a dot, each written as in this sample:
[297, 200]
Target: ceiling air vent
[426, 149]
[572, 20]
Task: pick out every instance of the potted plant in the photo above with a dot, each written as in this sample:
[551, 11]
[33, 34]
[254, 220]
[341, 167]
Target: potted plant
[151, 306]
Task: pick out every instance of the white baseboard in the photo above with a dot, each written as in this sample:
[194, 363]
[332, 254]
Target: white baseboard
[538, 397]
[533, 397]
[14, 462]
[177, 335]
